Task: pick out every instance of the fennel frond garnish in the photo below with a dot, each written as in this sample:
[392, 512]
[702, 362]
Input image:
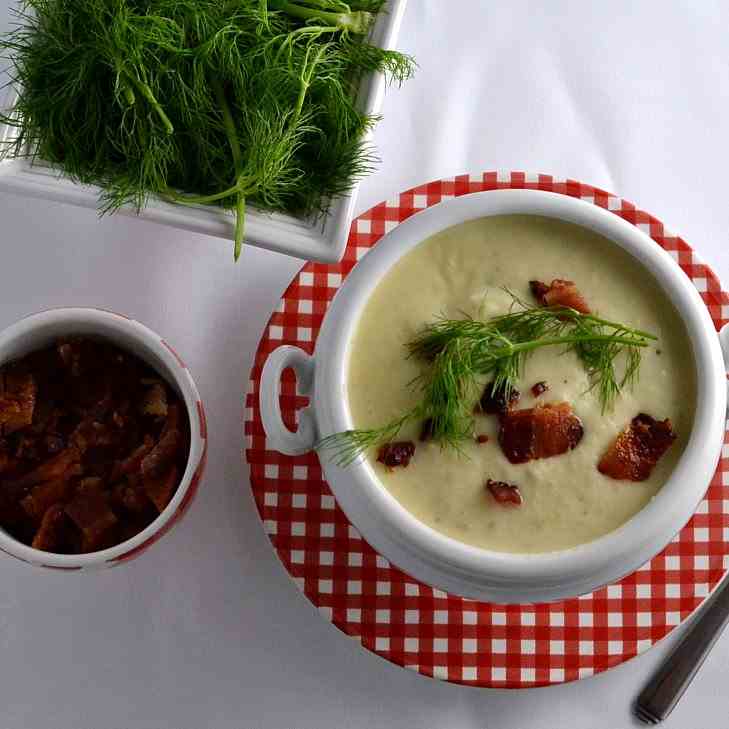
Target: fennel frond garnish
[458, 353]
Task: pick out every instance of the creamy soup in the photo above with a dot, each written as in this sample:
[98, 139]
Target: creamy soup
[464, 269]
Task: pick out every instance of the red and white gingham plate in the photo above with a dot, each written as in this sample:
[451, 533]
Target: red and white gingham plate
[425, 629]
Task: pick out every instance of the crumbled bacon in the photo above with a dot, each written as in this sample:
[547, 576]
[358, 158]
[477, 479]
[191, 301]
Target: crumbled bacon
[173, 419]
[90, 433]
[90, 485]
[44, 495]
[56, 467]
[94, 400]
[505, 493]
[163, 454]
[166, 448]
[53, 443]
[155, 401]
[500, 400]
[539, 432]
[14, 517]
[119, 420]
[49, 536]
[130, 495]
[91, 514]
[45, 418]
[17, 401]
[396, 454]
[79, 424]
[559, 293]
[78, 355]
[27, 448]
[482, 438]
[6, 460]
[637, 449]
[539, 388]
[70, 356]
[133, 462]
[159, 489]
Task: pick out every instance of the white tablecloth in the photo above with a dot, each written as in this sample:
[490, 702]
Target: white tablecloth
[206, 630]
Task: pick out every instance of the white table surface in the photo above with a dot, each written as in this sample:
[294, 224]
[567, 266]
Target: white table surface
[206, 630]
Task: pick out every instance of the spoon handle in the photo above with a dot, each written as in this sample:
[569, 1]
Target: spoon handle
[660, 696]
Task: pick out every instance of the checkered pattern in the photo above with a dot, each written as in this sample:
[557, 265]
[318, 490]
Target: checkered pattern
[425, 629]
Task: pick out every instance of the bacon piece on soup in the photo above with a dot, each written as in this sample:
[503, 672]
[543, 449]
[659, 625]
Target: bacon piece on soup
[396, 454]
[482, 438]
[539, 290]
[539, 432]
[539, 388]
[637, 449]
[17, 401]
[505, 493]
[498, 401]
[559, 293]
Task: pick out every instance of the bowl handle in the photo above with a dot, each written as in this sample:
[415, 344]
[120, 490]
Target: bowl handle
[724, 341]
[279, 436]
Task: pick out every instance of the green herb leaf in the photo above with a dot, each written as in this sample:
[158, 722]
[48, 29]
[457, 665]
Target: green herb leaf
[201, 102]
[458, 353]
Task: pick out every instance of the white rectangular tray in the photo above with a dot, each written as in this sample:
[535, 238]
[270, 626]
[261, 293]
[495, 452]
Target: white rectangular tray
[317, 240]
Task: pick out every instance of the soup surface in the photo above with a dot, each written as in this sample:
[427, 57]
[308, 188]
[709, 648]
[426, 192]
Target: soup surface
[463, 270]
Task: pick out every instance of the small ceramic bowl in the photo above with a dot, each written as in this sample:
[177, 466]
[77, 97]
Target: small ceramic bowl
[440, 560]
[40, 330]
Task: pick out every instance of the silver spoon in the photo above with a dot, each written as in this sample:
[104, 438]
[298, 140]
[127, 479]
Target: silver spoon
[660, 696]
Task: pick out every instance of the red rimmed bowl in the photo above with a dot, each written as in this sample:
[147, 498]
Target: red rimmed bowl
[40, 330]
